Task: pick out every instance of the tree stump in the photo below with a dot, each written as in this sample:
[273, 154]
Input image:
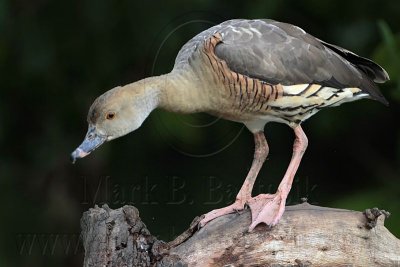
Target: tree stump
[307, 235]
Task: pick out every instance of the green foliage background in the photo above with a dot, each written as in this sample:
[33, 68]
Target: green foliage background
[57, 56]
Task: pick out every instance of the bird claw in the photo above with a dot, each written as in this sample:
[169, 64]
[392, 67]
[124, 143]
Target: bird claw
[236, 207]
[267, 209]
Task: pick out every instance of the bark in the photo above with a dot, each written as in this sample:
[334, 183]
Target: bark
[307, 235]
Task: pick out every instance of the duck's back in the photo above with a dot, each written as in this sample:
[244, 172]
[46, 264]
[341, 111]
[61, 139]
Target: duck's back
[285, 56]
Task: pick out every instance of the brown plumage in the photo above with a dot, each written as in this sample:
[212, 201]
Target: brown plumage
[249, 71]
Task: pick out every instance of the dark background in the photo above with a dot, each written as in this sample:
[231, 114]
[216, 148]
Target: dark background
[56, 57]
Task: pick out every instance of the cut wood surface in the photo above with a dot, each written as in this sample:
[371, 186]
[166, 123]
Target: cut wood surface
[307, 235]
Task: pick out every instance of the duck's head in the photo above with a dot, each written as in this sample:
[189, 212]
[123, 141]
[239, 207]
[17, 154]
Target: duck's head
[114, 114]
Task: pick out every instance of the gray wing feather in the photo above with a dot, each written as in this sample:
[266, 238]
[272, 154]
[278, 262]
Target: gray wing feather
[373, 70]
[282, 53]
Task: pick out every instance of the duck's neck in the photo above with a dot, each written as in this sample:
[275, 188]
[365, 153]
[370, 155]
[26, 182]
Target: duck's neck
[175, 92]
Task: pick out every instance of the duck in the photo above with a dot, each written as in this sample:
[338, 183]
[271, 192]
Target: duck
[251, 72]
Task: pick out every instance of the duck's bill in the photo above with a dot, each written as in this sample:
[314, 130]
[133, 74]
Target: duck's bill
[91, 142]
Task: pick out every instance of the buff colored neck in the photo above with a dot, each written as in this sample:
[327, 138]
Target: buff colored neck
[175, 92]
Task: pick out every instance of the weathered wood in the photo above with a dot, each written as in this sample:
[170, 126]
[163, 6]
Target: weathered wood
[307, 235]
[118, 238]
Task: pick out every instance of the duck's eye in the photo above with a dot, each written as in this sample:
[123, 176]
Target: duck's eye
[110, 115]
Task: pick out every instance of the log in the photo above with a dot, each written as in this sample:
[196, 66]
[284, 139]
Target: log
[307, 235]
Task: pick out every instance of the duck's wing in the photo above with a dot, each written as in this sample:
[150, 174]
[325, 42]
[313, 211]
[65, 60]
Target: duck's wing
[282, 53]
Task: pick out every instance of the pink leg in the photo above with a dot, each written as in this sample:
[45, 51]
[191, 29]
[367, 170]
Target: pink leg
[269, 209]
[244, 195]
